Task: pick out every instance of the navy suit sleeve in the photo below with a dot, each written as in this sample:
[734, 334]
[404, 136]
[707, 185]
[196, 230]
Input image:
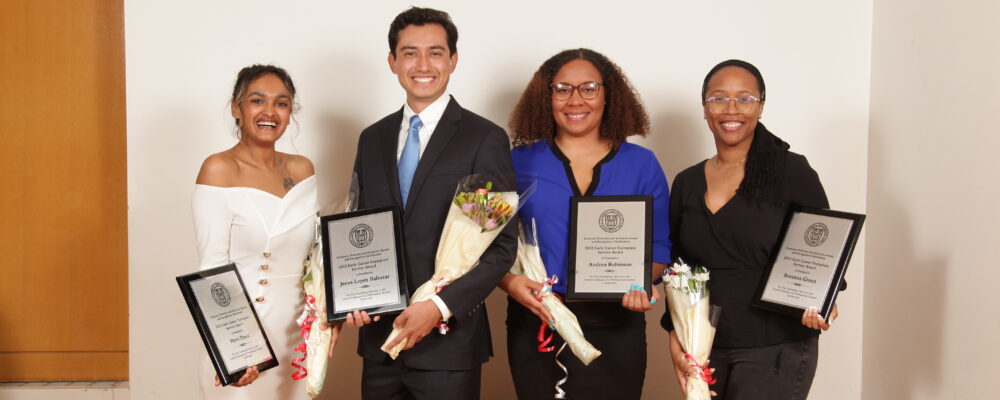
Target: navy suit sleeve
[357, 170]
[465, 295]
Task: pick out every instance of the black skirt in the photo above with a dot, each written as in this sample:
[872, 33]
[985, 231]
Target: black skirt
[618, 373]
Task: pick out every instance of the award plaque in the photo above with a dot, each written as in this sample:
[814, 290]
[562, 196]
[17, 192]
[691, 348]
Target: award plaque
[809, 261]
[363, 262]
[227, 322]
[610, 246]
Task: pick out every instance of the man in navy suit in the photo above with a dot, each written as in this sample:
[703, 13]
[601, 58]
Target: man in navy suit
[414, 158]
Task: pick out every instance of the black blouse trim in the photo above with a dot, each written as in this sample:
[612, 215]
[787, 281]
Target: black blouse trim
[569, 170]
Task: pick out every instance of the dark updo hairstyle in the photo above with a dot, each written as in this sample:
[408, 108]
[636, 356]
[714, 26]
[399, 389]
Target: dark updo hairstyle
[765, 164]
[248, 74]
[624, 115]
[420, 17]
[735, 63]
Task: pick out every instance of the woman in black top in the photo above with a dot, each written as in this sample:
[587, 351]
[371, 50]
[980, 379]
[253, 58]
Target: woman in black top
[726, 213]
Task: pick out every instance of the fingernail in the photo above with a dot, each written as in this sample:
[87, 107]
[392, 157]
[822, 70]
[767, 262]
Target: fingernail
[633, 287]
[552, 327]
[552, 321]
[653, 301]
[642, 289]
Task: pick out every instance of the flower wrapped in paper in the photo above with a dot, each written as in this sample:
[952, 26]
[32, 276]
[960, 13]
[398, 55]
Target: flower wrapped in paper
[316, 335]
[694, 320]
[475, 218]
[529, 263]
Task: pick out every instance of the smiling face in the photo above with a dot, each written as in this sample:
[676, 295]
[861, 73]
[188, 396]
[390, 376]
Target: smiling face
[730, 126]
[264, 111]
[423, 63]
[577, 116]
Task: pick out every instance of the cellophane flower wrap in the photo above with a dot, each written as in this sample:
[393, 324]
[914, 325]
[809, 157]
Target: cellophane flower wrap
[529, 263]
[694, 320]
[316, 339]
[475, 218]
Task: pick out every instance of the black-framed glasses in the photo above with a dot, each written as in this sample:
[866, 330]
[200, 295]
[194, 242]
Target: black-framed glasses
[744, 104]
[587, 90]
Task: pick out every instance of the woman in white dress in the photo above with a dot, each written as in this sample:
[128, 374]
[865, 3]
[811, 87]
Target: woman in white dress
[256, 207]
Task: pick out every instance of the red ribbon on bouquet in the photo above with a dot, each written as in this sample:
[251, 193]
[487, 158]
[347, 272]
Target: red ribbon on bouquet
[543, 341]
[308, 317]
[547, 287]
[706, 374]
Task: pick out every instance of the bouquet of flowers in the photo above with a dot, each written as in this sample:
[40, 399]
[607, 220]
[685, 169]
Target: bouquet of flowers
[694, 320]
[476, 217]
[315, 335]
[529, 263]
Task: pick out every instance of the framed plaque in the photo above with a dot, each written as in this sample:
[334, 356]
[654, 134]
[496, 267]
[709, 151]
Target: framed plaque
[227, 322]
[809, 261]
[610, 246]
[364, 262]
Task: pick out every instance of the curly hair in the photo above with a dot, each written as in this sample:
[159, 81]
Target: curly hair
[624, 115]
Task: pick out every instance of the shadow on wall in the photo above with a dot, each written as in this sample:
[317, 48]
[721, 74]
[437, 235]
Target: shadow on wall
[678, 140]
[500, 106]
[905, 298]
[338, 143]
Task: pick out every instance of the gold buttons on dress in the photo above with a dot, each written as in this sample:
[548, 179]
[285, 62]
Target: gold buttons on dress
[267, 254]
[264, 267]
[260, 299]
[262, 281]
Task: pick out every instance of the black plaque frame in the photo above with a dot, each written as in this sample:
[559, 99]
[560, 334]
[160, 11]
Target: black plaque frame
[404, 295]
[571, 292]
[857, 221]
[184, 281]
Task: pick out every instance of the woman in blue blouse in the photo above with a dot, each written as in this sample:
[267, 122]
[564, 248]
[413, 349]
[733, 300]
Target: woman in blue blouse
[570, 129]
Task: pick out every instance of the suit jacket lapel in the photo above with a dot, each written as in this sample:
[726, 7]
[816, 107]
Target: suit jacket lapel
[446, 128]
[390, 144]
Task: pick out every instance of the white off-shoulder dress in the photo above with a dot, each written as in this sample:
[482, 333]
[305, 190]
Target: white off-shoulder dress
[268, 238]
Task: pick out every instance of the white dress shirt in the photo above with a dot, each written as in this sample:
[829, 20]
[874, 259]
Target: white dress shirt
[430, 118]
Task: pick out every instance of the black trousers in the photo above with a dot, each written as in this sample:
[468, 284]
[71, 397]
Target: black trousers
[617, 374]
[782, 371]
[391, 380]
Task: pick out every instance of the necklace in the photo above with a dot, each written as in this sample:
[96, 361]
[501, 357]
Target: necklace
[734, 165]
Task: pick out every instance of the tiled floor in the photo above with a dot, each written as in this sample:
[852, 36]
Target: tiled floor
[104, 390]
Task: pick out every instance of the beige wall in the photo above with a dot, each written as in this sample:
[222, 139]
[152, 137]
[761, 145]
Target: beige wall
[930, 325]
[182, 57]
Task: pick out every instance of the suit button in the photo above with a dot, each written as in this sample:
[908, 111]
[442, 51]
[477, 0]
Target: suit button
[260, 299]
[262, 282]
[265, 267]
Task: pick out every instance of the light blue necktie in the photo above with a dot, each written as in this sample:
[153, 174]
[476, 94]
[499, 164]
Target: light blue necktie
[411, 155]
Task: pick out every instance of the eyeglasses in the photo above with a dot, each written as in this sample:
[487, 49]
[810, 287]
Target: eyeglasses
[744, 104]
[587, 90]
